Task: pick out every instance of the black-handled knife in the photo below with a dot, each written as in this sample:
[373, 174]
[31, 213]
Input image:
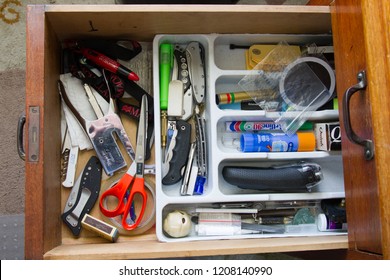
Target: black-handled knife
[294, 177]
[179, 154]
[83, 195]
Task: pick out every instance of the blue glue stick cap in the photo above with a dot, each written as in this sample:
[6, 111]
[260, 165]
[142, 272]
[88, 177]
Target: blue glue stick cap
[248, 142]
[199, 185]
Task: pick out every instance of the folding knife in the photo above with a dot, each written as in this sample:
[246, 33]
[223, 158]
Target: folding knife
[194, 53]
[83, 195]
[178, 155]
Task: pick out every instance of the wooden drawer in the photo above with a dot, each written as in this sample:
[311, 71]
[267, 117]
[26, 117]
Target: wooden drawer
[47, 26]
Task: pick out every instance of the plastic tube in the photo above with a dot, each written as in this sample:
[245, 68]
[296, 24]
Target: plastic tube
[277, 142]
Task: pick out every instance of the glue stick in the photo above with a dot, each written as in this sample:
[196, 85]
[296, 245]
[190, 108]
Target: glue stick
[277, 142]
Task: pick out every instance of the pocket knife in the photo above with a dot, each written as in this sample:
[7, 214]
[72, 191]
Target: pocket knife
[83, 195]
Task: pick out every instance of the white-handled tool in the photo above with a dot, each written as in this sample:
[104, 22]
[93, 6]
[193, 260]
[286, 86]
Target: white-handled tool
[70, 155]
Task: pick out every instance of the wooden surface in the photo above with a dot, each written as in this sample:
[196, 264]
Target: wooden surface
[341, 254]
[148, 20]
[34, 212]
[376, 16]
[360, 176]
[42, 177]
[44, 237]
[319, 2]
[147, 246]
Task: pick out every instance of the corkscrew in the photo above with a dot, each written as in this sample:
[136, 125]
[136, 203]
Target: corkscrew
[64, 163]
[69, 160]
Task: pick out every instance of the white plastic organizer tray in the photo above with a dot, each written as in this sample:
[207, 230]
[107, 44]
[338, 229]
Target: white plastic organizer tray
[224, 68]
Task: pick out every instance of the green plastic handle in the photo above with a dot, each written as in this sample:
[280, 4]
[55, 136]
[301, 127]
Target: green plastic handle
[166, 64]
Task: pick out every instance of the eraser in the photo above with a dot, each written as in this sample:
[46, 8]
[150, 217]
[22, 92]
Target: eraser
[105, 230]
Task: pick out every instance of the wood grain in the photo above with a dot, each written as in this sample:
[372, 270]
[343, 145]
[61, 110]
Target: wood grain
[148, 20]
[148, 247]
[319, 2]
[42, 177]
[360, 176]
[34, 193]
[376, 18]
[47, 25]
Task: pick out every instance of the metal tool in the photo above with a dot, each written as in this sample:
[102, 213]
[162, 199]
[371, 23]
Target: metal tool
[70, 152]
[184, 190]
[101, 133]
[69, 160]
[194, 53]
[201, 149]
[133, 180]
[195, 59]
[181, 72]
[92, 100]
[83, 195]
[189, 70]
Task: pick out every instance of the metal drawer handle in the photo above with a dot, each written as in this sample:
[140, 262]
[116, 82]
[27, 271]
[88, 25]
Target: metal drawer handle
[366, 143]
[20, 146]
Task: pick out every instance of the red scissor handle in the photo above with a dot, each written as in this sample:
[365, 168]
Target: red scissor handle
[138, 188]
[118, 191]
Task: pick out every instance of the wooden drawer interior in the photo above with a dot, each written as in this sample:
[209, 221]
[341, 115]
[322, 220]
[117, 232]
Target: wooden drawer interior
[47, 27]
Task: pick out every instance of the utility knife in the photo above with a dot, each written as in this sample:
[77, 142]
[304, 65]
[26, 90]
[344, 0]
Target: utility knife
[83, 195]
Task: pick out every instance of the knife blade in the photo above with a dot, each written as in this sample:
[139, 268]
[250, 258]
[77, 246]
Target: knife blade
[196, 70]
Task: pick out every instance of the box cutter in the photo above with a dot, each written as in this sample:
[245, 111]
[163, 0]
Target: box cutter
[83, 195]
[101, 133]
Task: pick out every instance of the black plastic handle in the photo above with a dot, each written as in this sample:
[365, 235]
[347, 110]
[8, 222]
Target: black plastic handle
[90, 184]
[366, 143]
[295, 177]
[180, 153]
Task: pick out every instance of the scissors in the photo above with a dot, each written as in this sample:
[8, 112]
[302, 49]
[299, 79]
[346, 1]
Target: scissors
[132, 183]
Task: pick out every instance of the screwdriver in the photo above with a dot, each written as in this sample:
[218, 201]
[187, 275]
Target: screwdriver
[166, 64]
[109, 64]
